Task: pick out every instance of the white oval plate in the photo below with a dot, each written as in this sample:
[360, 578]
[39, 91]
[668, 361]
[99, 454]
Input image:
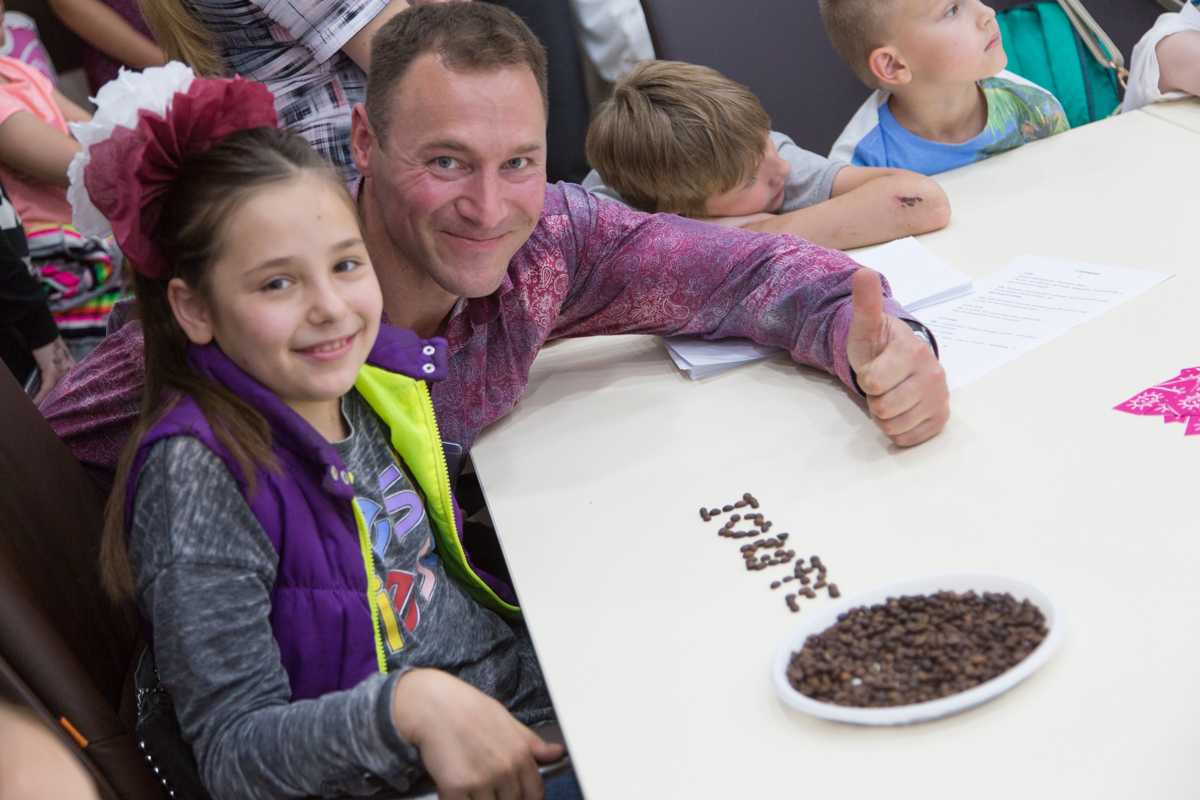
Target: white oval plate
[1051, 608]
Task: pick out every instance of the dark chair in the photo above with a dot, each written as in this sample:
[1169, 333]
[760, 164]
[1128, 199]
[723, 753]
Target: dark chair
[66, 651]
[779, 49]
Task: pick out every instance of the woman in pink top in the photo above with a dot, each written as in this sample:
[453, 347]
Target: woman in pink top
[35, 144]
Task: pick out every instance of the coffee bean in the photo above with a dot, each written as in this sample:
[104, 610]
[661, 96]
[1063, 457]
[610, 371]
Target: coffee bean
[727, 509]
[753, 503]
[809, 593]
[736, 518]
[704, 515]
[747, 497]
[788, 578]
[833, 590]
[820, 584]
[740, 504]
[815, 561]
[792, 604]
[804, 579]
[775, 584]
[712, 512]
[913, 649]
[782, 536]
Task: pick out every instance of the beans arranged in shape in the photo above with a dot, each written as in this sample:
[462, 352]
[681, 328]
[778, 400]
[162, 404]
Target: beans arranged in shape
[776, 544]
[916, 648]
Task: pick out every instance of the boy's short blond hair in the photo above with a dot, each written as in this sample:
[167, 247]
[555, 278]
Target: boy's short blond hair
[857, 28]
[673, 135]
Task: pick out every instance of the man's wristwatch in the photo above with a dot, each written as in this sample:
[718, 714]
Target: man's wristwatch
[923, 334]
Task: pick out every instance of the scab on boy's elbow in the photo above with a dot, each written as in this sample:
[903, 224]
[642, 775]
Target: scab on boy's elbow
[924, 203]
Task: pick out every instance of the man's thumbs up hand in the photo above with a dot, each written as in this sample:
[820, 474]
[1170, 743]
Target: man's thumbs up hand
[902, 379]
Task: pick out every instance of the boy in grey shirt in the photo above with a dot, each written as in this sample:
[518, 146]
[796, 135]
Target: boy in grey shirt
[684, 139]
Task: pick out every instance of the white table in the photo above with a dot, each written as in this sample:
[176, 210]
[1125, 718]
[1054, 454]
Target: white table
[655, 640]
[1184, 113]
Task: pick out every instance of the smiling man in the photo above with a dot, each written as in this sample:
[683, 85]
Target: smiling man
[470, 243]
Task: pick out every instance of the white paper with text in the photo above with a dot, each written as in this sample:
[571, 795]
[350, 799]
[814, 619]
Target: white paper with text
[1024, 304]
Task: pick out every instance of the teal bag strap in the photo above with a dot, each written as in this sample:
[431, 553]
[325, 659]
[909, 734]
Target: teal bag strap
[1045, 45]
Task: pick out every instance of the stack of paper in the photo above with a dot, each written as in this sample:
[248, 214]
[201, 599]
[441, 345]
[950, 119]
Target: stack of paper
[699, 358]
[918, 279]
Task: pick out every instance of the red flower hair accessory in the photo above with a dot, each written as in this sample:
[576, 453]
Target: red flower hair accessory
[128, 171]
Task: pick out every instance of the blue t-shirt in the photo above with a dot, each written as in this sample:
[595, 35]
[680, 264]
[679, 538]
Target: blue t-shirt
[1018, 112]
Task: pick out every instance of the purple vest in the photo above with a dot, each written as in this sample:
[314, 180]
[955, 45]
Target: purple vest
[320, 614]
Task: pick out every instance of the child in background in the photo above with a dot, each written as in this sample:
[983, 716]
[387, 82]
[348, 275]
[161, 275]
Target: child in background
[942, 98]
[22, 43]
[35, 144]
[29, 337]
[282, 512]
[35, 149]
[684, 139]
[1166, 61]
[114, 35]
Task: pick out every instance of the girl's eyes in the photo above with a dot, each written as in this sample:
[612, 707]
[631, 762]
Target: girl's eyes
[951, 11]
[277, 284]
[517, 163]
[345, 266]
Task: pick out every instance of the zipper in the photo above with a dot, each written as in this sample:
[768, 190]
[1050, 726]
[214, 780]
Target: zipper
[444, 477]
[364, 543]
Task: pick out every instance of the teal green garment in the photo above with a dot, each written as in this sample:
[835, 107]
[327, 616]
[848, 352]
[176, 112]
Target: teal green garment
[1042, 47]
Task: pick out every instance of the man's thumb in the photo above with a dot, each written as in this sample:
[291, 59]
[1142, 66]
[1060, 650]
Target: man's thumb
[866, 328]
[543, 750]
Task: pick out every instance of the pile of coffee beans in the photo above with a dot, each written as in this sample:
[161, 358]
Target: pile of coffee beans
[917, 648]
[776, 549]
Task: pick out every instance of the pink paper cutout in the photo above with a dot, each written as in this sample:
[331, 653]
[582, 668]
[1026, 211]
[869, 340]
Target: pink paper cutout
[1176, 400]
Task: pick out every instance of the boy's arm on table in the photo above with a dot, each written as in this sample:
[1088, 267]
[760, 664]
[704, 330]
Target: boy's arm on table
[109, 32]
[1179, 63]
[868, 205]
[36, 148]
[198, 554]
[667, 275]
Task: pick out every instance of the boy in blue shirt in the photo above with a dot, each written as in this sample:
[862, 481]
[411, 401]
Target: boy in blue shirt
[943, 98]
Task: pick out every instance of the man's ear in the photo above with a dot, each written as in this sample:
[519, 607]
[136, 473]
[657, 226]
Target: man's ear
[191, 311]
[888, 67]
[362, 138]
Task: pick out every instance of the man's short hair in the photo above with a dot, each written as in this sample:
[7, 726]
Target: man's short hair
[674, 135]
[467, 37]
[857, 28]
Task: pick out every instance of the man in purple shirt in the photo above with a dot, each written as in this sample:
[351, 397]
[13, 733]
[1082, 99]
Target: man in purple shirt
[470, 243]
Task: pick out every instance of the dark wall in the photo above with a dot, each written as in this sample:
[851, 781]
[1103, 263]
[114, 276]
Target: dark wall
[780, 50]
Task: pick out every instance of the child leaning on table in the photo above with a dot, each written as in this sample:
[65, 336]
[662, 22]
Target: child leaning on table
[1165, 64]
[282, 513]
[684, 139]
[942, 97]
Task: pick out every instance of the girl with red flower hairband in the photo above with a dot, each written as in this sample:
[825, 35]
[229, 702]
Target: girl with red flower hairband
[283, 513]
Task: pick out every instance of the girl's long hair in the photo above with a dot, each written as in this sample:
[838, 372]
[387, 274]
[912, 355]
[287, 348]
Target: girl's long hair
[208, 191]
[183, 36]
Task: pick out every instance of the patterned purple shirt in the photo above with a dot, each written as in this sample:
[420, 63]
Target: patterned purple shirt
[591, 267]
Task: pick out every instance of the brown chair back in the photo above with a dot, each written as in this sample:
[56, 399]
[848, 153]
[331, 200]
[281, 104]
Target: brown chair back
[62, 638]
